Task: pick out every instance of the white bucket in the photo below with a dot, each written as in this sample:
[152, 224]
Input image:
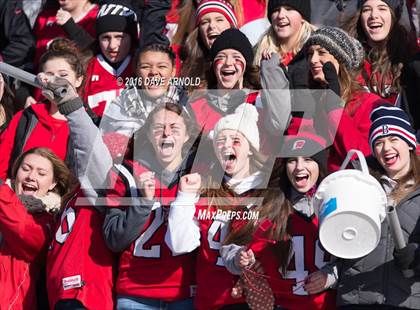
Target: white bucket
[351, 205]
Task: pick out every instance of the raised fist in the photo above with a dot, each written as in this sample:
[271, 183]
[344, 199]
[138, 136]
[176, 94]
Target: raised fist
[147, 184]
[62, 17]
[190, 183]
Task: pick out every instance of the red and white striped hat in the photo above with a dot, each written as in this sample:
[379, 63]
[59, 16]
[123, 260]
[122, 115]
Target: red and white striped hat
[219, 6]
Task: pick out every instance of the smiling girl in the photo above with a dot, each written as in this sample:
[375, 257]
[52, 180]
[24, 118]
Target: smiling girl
[212, 17]
[387, 44]
[236, 145]
[334, 59]
[290, 28]
[296, 266]
[376, 280]
[232, 80]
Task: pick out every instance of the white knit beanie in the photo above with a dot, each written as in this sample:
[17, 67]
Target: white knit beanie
[244, 120]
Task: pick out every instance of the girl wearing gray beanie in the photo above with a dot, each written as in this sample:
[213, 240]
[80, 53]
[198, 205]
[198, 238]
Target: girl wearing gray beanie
[334, 58]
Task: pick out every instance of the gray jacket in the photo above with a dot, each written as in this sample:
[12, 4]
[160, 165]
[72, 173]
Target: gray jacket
[374, 278]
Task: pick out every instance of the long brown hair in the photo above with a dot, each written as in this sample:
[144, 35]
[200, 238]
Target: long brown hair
[195, 58]
[405, 186]
[66, 182]
[386, 59]
[276, 208]
[194, 54]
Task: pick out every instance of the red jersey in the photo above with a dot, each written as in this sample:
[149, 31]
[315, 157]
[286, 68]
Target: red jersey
[46, 29]
[79, 264]
[214, 281]
[102, 85]
[147, 268]
[308, 257]
[23, 239]
[48, 132]
[208, 115]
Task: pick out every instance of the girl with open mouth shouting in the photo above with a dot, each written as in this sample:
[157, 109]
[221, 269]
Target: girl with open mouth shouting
[149, 273]
[40, 180]
[297, 268]
[203, 223]
[212, 17]
[232, 80]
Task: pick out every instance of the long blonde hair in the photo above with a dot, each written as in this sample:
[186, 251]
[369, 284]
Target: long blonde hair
[270, 43]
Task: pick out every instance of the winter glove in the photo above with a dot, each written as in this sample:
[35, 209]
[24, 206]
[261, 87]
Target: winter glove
[32, 203]
[332, 98]
[407, 257]
[60, 91]
[331, 77]
[51, 203]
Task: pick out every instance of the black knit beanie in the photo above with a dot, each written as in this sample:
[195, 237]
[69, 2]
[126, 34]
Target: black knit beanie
[117, 16]
[234, 39]
[302, 6]
[395, 5]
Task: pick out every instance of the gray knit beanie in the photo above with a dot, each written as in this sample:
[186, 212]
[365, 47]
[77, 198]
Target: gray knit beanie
[340, 44]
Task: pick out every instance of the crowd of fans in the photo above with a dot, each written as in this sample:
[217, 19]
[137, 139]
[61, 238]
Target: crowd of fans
[170, 155]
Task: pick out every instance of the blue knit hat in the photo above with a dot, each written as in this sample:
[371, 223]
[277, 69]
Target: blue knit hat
[388, 120]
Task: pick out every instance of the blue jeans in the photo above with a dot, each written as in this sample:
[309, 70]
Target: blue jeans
[138, 303]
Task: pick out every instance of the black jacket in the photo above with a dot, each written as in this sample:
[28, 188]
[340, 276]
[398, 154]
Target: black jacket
[17, 43]
[374, 278]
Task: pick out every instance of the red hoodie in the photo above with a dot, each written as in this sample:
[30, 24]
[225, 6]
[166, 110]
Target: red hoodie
[353, 128]
[347, 127]
[24, 237]
[48, 132]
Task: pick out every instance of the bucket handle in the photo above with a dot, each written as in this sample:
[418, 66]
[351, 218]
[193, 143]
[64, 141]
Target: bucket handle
[363, 165]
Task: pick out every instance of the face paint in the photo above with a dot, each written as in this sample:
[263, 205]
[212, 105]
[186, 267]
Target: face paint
[218, 62]
[229, 68]
[240, 64]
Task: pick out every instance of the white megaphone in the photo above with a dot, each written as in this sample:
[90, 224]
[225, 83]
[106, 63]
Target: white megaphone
[351, 205]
